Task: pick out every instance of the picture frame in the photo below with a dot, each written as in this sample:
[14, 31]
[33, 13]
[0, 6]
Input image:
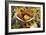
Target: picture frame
[12, 4]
